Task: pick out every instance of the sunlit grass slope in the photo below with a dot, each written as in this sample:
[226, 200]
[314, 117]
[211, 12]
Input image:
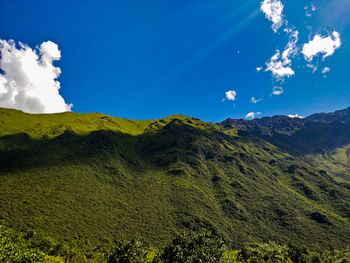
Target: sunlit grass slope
[93, 177]
[335, 162]
[52, 125]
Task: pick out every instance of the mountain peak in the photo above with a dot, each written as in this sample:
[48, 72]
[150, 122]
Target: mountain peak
[339, 115]
[266, 125]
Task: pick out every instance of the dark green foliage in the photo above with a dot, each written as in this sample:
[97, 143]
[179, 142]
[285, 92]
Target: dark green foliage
[298, 254]
[261, 253]
[190, 247]
[127, 252]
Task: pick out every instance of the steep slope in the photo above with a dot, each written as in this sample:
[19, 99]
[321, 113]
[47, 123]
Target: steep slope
[91, 176]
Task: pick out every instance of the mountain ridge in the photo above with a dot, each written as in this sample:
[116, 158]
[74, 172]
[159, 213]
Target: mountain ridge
[321, 138]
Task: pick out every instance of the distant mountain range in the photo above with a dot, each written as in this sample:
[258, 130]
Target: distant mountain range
[322, 138]
[91, 177]
[285, 125]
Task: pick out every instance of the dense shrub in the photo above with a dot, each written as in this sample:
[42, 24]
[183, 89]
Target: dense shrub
[128, 252]
[192, 248]
[262, 253]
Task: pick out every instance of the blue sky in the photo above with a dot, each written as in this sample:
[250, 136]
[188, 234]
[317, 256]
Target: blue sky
[150, 59]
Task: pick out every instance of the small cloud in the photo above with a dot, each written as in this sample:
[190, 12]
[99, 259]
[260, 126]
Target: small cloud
[259, 69]
[313, 7]
[280, 64]
[313, 67]
[279, 68]
[252, 115]
[309, 10]
[277, 91]
[273, 10]
[291, 50]
[254, 100]
[231, 95]
[326, 70]
[321, 45]
[295, 116]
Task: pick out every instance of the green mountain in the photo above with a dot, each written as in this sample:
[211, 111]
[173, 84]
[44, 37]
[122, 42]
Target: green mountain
[322, 139]
[92, 177]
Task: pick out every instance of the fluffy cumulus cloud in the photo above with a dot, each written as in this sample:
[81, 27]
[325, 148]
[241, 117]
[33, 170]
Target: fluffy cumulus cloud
[277, 91]
[252, 115]
[273, 10]
[321, 45]
[295, 116]
[231, 95]
[28, 78]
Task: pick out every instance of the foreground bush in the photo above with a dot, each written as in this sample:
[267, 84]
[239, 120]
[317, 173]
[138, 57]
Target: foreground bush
[14, 249]
[128, 252]
[192, 248]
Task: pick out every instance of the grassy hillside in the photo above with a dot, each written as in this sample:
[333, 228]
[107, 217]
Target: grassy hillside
[39, 126]
[323, 144]
[91, 177]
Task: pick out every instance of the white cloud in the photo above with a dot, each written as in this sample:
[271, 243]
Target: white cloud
[326, 70]
[29, 79]
[313, 7]
[291, 50]
[280, 64]
[277, 91]
[324, 45]
[273, 10]
[278, 67]
[252, 115]
[309, 10]
[231, 95]
[313, 67]
[254, 100]
[295, 116]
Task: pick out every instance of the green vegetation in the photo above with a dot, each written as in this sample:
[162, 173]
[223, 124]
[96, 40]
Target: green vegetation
[13, 248]
[79, 180]
[187, 247]
[128, 252]
[192, 247]
[322, 139]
